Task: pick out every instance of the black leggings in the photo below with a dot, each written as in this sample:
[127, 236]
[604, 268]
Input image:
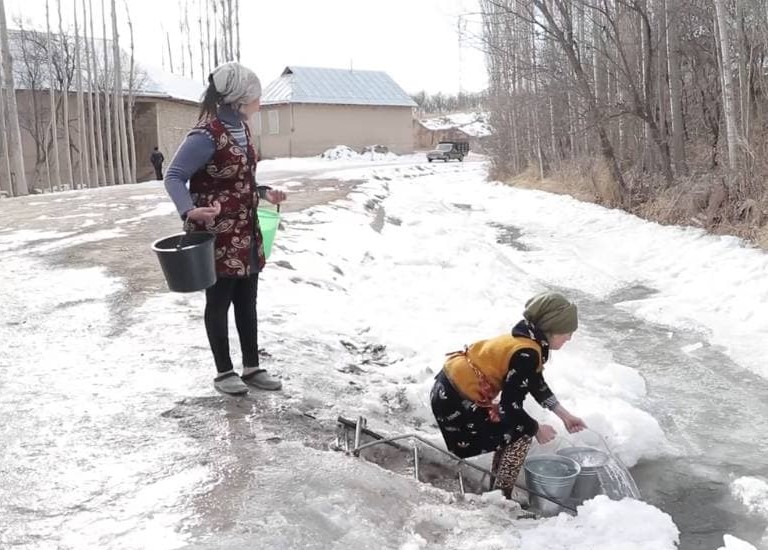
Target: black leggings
[241, 292]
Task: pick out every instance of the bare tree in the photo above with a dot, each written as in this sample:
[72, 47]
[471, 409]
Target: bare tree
[170, 52]
[54, 139]
[6, 181]
[70, 180]
[82, 134]
[111, 168]
[215, 34]
[201, 35]
[237, 27]
[727, 80]
[188, 33]
[118, 107]
[93, 65]
[91, 130]
[675, 84]
[13, 132]
[208, 36]
[131, 83]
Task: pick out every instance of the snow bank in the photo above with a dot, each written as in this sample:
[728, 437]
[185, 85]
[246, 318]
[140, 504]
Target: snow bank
[753, 493]
[604, 524]
[342, 152]
[472, 124]
[732, 543]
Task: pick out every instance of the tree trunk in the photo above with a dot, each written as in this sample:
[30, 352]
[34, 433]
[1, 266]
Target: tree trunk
[237, 27]
[675, 86]
[93, 64]
[208, 38]
[107, 108]
[170, 52]
[744, 107]
[82, 138]
[131, 137]
[731, 128]
[189, 39]
[6, 179]
[224, 33]
[121, 151]
[65, 104]
[202, 44]
[54, 143]
[215, 34]
[94, 165]
[12, 131]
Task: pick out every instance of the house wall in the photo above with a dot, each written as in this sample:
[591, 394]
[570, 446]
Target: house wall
[307, 129]
[174, 120]
[146, 131]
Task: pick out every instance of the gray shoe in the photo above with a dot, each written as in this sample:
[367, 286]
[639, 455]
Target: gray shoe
[262, 380]
[230, 383]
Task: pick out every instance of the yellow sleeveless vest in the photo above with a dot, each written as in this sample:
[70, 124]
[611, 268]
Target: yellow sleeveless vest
[490, 357]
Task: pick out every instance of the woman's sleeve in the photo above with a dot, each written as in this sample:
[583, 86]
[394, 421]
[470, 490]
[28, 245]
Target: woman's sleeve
[193, 153]
[522, 369]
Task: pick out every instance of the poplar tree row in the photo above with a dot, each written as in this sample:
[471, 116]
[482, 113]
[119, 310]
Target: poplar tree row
[78, 93]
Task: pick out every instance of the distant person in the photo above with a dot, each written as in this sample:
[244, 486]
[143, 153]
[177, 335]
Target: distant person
[511, 365]
[157, 159]
[218, 159]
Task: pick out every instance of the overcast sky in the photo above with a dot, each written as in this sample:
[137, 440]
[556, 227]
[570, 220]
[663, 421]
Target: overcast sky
[415, 41]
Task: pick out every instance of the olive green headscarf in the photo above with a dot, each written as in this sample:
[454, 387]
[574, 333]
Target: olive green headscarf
[552, 313]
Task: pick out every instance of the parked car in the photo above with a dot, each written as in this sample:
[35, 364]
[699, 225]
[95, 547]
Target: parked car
[447, 150]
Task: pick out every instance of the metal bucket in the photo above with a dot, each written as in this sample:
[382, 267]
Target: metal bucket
[552, 476]
[591, 460]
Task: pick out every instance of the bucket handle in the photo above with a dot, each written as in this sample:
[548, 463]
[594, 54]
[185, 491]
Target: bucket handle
[180, 244]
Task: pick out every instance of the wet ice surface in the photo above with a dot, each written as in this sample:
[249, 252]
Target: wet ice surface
[106, 386]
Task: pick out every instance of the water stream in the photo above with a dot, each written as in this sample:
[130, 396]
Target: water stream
[709, 407]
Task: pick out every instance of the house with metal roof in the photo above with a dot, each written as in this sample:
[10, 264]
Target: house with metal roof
[309, 110]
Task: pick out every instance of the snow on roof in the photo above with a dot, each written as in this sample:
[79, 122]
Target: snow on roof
[472, 124]
[161, 83]
[150, 81]
[335, 86]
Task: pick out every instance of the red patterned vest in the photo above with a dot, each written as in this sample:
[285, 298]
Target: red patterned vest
[229, 179]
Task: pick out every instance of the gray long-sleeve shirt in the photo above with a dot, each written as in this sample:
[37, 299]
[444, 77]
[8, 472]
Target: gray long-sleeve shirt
[195, 152]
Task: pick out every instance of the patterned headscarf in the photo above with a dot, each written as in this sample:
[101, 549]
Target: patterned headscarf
[235, 83]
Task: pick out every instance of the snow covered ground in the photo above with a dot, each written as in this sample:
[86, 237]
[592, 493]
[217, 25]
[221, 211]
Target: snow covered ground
[472, 124]
[106, 383]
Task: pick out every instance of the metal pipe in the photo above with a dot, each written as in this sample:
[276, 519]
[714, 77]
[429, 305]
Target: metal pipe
[457, 459]
[358, 432]
[461, 484]
[416, 462]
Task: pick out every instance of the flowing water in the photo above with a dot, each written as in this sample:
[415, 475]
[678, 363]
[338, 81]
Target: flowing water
[711, 409]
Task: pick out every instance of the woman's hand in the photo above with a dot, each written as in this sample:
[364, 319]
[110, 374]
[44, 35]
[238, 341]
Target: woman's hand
[545, 434]
[572, 423]
[275, 196]
[204, 214]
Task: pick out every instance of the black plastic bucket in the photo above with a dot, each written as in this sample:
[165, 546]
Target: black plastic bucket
[187, 260]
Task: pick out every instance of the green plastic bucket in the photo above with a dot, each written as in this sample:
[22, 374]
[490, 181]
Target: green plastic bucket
[268, 221]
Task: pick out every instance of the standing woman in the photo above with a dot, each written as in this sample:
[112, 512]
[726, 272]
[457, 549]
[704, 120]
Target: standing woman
[509, 366]
[218, 160]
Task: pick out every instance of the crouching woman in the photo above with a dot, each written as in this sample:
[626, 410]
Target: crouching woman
[464, 403]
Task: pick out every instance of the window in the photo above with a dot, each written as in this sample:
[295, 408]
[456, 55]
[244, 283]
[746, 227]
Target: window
[274, 122]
